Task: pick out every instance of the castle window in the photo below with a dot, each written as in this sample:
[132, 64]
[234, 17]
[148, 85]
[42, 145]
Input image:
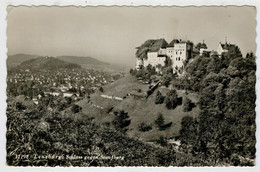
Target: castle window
[180, 52]
[179, 58]
[176, 52]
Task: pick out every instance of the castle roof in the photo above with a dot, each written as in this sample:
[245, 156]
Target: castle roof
[171, 44]
[157, 44]
[151, 45]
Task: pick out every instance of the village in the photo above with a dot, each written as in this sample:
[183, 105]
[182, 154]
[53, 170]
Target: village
[65, 83]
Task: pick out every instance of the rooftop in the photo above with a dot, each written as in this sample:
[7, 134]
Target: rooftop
[171, 44]
[157, 44]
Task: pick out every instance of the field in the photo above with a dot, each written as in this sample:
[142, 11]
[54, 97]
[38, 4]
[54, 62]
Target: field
[139, 109]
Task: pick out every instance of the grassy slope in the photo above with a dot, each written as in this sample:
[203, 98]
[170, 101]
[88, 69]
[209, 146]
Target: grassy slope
[139, 110]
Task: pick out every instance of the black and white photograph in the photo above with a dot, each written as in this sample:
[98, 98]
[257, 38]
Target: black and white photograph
[131, 86]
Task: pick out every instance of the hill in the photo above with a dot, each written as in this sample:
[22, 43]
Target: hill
[139, 109]
[47, 63]
[17, 59]
[85, 62]
[92, 63]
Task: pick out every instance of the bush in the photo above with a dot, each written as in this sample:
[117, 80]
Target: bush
[76, 108]
[159, 98]
[172, 99]
[159, 120]
[187, 105]
[144, 127]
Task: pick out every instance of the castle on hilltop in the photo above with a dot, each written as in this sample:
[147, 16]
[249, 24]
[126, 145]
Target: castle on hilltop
[158, 52]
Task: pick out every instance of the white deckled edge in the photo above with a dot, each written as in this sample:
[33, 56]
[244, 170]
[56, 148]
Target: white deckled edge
[3, 52]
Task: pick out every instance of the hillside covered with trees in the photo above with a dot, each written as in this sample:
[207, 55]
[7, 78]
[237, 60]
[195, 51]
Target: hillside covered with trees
[224, 130]
[47, 63]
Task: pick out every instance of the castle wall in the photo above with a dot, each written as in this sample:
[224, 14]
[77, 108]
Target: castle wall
[179, 55]
[154, 60]
[170, 52]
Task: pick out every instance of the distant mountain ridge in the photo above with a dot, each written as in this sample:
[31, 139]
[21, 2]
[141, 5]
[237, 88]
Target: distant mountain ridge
[17, 59]
[47, 63]
[81, 60]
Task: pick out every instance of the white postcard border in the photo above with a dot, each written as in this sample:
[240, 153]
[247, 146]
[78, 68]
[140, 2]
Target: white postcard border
[3, 53]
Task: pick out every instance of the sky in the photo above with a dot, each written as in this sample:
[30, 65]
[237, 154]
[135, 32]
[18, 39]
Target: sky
[111, 34]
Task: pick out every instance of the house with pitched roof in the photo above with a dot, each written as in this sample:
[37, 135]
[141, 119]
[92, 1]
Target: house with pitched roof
[224, 48]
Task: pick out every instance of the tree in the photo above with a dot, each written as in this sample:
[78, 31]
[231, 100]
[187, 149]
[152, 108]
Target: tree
[198, 68]
[159, 98]
[121, 120]
[251, 56]
[76, 108]
[172, 99]
[149, 68]
[201, 45]
[159, 120]
[167, 70]
[198, 46]
[187, 105]
[166, 80]
[189, 134]
[140, 73]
